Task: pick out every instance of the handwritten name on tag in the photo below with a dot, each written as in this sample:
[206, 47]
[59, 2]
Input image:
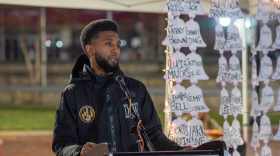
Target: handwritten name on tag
[177, 7]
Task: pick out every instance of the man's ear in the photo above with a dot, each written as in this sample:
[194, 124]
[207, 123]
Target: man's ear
[90, 50]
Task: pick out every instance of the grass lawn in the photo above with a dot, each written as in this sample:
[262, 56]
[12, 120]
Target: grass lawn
[26, 118]
[40, 118]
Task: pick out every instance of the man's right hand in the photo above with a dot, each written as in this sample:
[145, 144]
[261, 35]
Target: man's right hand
[86, 148]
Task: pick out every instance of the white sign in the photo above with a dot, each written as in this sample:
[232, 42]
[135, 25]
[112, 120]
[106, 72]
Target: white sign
[233, 42]
[276, 44]
[216, 10]
[255, 138]
[234, 73]
[220, 39]
[196, 130]
[233, 10]
[277, 135]
[267, 99]
[223, 70]
[236, 102]
[266, 151]
[178, 69]
[276, 75]
[266, 69]
[193, 34]
[179, 133]
[277, 105]
[265, 128]
[254, 77]
[176, 34]
[265, 40]
[225, 106]
[264, 11]
[195, 98]
[195, 8]
[177, 7]
[236, 138]
[195, 66]
[227, 134]
[178, 102]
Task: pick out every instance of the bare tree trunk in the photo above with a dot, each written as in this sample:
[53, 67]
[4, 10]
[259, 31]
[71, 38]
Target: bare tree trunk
[25, 51]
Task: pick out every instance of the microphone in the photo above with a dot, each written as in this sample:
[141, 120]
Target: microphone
[121, 82]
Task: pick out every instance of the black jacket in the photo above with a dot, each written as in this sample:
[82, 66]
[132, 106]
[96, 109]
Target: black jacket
[91, 109]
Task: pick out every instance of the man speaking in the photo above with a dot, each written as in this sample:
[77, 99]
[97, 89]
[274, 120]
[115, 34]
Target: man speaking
[92, 110]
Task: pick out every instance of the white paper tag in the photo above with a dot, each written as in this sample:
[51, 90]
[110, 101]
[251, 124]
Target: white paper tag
[176, 34]
[254, 77]
[235, 153]
[255, 105]
[265, 40]
[194, 36]
[195, 98]
[223, 70]
[276, 75]
[220, 40]
[264, 11]
[255, 138]
[277, 135]
[225, 106]
[256, 153]
[276, 44]
[265, 128]
[267, 99]
[234, 73]
[195, 66]
[178, 102]
[233, 42]
[227, 134]
[266, 151]
[276, 11]
[236, 102]
[266, 69]
[178, 69]
[216, 10]
[179, 133]
[195, 8]
[253, 46]
[277, 105]
[236, 138]
[233, 10]
[177, 7]
[196, 130]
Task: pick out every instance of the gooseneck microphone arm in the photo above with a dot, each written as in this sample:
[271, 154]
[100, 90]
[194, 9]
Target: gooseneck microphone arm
[134, 116]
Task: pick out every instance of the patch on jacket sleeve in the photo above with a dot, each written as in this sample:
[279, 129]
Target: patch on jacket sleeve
[87, 114]
[134, 107]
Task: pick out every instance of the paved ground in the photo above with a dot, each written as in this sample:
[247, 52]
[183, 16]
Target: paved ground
[38, 143]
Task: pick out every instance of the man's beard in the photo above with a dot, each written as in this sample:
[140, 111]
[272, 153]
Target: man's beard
[104, 64]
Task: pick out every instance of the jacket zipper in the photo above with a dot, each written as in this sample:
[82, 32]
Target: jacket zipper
[111, 120]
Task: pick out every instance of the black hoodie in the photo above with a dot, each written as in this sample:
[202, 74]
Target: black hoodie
[91, 109]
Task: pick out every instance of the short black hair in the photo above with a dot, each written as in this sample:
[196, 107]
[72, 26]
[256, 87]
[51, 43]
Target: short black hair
[91, 30]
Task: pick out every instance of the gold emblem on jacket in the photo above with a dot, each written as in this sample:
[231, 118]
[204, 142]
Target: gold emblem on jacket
[87, 114]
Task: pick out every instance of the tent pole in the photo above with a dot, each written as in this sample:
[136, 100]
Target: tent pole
[168, 84]
[245, 83]
[43, 47]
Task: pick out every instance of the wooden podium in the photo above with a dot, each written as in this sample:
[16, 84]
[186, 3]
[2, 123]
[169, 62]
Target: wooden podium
[213, 148]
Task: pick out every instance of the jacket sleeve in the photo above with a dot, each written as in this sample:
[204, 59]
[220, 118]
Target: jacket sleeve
[153, 126]
[65, 136]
